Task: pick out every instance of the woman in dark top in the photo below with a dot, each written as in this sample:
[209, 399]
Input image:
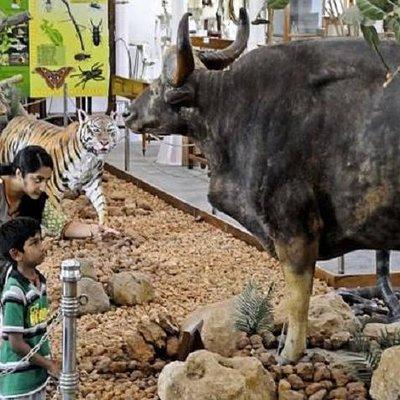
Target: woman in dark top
[22, 193]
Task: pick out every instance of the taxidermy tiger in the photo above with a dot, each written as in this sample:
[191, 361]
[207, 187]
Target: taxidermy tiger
[78, 152]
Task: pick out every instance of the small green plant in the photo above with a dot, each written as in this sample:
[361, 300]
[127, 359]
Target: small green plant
[253, 310]
[387, 340]
[365, 359]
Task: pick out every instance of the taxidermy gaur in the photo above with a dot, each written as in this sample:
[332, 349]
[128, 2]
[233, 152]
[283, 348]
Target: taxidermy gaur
[303, 144]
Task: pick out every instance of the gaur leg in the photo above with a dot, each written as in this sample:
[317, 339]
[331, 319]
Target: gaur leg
[383, 282]
[361, 300]
[298, 258]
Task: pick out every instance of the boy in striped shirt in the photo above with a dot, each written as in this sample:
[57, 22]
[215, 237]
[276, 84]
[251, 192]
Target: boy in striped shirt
[25, 311]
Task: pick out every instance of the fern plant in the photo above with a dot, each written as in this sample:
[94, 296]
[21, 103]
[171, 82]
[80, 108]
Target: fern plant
[362, 363]
[253, 310]
[387, 340]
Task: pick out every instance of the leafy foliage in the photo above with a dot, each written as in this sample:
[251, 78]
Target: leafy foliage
[372, 9]
[278, 4]
[364, 360]
[386, 340]
[362, 365]
[254, 312]
[380, 10]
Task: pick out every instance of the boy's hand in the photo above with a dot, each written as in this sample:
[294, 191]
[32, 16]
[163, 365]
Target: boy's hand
[54, 368]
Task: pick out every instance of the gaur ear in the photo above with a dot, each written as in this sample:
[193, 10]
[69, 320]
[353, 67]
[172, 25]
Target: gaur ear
[82, 116]
[181, 96]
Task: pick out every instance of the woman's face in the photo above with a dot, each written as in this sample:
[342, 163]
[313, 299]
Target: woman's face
[35, 182]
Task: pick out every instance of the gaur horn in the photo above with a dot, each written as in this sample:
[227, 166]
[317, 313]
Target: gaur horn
[223, 58]
[184, 56]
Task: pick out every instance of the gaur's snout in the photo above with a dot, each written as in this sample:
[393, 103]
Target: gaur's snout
[131, 116]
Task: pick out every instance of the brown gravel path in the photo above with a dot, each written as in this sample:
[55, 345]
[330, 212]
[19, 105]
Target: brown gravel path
[190, 264]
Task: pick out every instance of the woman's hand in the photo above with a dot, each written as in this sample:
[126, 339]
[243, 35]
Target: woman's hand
[81, 230]
[103, 231]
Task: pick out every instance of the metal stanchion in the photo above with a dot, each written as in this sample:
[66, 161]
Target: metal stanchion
[341, 266]
[70, 275]
[65, 112]
[127, 149]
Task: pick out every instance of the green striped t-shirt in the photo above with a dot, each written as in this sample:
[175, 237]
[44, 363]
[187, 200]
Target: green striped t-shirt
[25, 310]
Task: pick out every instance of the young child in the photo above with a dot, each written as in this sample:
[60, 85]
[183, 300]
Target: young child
[25, 311]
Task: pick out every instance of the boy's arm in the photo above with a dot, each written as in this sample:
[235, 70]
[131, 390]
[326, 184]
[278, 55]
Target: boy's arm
[13, 325]
[22, 348]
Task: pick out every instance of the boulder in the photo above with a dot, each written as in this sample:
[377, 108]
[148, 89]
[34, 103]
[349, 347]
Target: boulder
[291, 395]
[172, 347]
[152, 333]
[87, 269]
[97, 300]
[320, 395]
[130, 288]
[218, 334]
[375, 330]
[385, 384]
[207, 375]
[328, 315]
[137, 347]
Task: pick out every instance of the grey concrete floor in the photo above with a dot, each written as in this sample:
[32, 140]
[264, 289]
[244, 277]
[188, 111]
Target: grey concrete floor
[191, 186]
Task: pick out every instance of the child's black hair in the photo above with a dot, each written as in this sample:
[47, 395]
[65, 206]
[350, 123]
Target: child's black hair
[14, 234]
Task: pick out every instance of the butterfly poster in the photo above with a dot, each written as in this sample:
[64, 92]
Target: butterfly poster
[69, 45]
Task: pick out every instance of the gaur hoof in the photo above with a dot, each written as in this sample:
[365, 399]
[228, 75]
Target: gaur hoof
[286, 357]
[283, 361]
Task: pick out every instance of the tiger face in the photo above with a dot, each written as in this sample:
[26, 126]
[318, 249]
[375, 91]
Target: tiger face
[99, 134]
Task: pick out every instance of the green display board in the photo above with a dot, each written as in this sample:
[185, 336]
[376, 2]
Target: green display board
[14, 45]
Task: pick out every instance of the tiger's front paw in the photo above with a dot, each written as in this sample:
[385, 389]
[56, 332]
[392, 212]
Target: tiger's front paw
[104, 219]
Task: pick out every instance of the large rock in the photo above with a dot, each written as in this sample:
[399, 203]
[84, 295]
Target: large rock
[328, 315]
[130, 288]
[137, 347]
[218, 333]
[206, 376]
[376, 330]
[385, 384]
[87, 269]
[97, 299]
[152, 333]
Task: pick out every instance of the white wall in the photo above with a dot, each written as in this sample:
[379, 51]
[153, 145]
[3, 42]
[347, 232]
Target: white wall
[257, 32]
[136, 24]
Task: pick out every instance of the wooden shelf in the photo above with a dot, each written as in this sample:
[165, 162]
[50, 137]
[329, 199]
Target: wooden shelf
[197, 158]
[129, 88]
[210, 43]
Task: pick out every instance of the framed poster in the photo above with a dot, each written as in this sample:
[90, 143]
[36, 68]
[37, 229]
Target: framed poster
[69, 43]
[14, 44]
